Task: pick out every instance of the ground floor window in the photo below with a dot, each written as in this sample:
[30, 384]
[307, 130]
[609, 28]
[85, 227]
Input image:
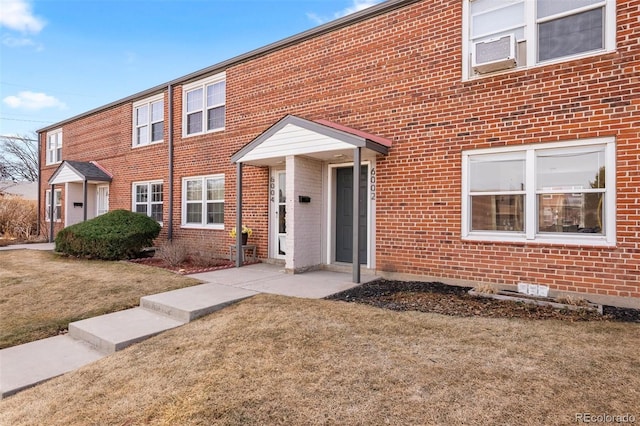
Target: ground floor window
[148, 199]
[562, 192]
[57, 208]
[203, 201]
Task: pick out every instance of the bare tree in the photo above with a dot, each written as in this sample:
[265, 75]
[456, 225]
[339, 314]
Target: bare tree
[19, 158]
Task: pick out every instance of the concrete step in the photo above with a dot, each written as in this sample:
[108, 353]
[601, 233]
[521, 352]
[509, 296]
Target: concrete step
[24, 366]
[114, 332]
[187, 304]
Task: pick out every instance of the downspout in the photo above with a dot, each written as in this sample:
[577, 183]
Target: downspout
[170, 137]
[39, 198]
[52, 221]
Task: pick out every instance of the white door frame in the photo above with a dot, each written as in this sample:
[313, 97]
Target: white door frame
[98, 188]
[331, 211]
[275, 237]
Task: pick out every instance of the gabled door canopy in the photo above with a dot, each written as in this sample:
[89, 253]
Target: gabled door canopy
[79, 171]
[319, 139]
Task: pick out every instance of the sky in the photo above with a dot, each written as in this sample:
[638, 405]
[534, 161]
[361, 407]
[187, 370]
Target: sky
[60, 58]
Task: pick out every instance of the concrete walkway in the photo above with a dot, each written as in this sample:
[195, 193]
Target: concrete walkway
[88, 340]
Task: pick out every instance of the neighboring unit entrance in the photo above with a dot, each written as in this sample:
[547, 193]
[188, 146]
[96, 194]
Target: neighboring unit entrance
[278, 195]
[344, 215]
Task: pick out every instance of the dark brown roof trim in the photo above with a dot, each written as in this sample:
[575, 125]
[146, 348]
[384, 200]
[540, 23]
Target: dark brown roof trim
[345, 21]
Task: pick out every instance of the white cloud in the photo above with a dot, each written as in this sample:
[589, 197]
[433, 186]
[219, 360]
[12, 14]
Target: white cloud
[17, 15]
[33, 101]
[356, 6]
[14, 42]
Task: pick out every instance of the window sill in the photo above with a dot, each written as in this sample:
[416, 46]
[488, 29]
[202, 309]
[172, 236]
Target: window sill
[147, 144]
[473, 77]
[185, 135]
[555, 239]
[196, 226]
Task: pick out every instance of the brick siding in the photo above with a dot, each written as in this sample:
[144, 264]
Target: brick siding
[398, 75]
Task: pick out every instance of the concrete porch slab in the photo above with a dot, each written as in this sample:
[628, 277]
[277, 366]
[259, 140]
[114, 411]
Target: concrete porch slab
[24, 366]
[189, 303]
[267, 278]
[114, 332]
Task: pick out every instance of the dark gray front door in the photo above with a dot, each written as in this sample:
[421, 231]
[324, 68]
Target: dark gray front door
[344, 215]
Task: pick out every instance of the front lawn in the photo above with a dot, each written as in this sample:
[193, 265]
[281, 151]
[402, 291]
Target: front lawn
[42, 292]
[277, 360]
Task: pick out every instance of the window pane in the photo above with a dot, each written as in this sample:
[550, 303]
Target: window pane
[215, 118]
[141, 194]
[576, 213]
[142, 115]
[141, 208]
[552, 7]
[215, 189]
[142, 135]
[497, 175]
[497, 213]
[216, 94]
[571, 35]
[215, 213]
[194, 123]
[194, 100]
[156, 192]
[156, 111]
[194, 190]
[498, 20]
[194, 213]
[570, 170]
[157, 131]
[156, 212]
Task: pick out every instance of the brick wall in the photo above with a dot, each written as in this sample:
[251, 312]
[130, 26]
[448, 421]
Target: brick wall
[399, 75]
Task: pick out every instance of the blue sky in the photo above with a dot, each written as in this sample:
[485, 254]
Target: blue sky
[60, 58]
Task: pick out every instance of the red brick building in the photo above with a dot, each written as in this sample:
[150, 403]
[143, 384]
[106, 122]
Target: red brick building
[498, 143]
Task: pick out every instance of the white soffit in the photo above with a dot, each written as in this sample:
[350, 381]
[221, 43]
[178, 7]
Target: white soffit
[294, 140]
[65, 175]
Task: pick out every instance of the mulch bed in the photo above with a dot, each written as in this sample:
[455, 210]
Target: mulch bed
[188, 267]
[456, 301]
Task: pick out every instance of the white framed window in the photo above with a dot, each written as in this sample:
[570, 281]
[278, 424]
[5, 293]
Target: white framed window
[560, 192]
[148, 199]
[57, 208]
[203, 202]
[148, 121]
[203, 105]
[54, 147]
[543, 30]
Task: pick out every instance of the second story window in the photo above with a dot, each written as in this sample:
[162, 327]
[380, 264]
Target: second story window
[502, 34]
[54, 147]
[148, 121]
[204, 106]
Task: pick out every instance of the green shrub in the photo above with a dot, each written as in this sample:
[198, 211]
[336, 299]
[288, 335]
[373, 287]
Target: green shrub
[119, 234]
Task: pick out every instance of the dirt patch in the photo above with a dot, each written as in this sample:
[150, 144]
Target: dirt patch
[456, 301]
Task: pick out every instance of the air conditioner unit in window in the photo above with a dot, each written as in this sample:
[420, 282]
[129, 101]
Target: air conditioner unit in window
[494, 54]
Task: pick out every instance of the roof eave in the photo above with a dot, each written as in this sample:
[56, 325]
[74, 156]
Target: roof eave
[337, 24]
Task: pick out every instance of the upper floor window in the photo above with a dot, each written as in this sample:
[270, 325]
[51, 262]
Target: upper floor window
[558, 193]
[204, 106]
[502, 34]
[54, 147]
[203, 201]
[148, 121]
[147, 199]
